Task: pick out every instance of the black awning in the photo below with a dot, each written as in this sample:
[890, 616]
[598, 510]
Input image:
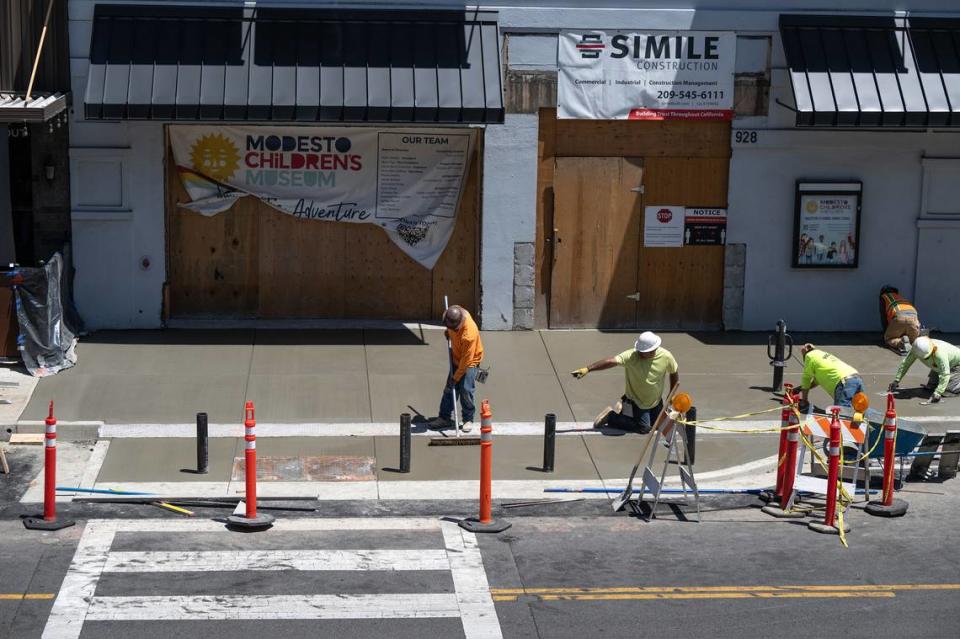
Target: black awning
[215, 63]
[873, 71]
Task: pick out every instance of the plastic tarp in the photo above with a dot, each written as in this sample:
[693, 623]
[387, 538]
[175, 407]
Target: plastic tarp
[48, 323]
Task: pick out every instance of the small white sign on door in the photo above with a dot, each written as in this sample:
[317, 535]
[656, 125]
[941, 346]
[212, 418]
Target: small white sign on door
[663, 225]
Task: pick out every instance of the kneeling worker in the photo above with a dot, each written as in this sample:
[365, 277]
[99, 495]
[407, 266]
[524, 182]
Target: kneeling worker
[466, 353]
[835, 376]
[901, 324]
[943, 360]
[645, 366]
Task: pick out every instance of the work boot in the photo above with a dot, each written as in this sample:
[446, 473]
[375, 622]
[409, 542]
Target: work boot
[601, 420]
[466, 427]
[439, 423]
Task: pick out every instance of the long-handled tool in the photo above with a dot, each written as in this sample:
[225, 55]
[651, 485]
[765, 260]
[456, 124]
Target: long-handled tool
[453, 388]
[624, 497]
[456, 440]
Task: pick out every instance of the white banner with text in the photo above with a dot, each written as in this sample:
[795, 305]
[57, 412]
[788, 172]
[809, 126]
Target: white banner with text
[408, 182]
[627, 75]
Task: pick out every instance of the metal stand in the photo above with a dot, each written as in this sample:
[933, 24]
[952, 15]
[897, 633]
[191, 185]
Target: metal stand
[678, 453]
[779, 350]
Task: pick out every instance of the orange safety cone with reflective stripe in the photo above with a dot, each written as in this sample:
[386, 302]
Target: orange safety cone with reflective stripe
[831, 525]
[251, 519]
[485, 523]
[888, 506]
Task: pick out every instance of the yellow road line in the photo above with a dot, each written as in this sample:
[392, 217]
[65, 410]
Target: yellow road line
[714, 592]
[18, 597]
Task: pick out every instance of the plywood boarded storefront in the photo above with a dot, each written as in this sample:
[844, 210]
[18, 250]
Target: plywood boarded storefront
[594, 179]
[253, 261]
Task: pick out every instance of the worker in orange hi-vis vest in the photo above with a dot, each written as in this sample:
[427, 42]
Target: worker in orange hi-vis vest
[901, 324]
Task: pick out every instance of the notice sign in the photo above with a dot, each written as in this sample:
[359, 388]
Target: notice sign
[826, 231]
[619, 75]
[705, 227]
[663, 226]
[407, 182]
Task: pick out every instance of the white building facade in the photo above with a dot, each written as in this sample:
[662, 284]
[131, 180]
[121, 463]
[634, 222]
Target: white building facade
[519, 261]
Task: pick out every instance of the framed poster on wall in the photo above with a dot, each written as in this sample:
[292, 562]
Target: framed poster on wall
[826, 225]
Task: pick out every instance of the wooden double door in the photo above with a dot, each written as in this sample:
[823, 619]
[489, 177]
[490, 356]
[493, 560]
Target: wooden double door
[602, 276]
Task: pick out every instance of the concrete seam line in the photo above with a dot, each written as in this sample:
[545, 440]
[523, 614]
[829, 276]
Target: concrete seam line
[556, 374]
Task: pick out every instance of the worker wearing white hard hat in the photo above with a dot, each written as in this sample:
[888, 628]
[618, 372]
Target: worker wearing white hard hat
[646, 367]
[943, 360]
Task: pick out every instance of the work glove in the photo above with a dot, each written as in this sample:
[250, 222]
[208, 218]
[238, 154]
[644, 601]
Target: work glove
[580, 372]
[892, 388]
[450, 382]
[803, 405]
[936, 397]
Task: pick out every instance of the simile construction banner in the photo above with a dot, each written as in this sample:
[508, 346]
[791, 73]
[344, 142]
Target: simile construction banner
[636, 75]
[408, 182]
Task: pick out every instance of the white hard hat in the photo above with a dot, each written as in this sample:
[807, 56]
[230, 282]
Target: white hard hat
[923, 347]
[647, 342]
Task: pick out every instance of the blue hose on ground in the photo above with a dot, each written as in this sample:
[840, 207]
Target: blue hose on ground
[67, 489]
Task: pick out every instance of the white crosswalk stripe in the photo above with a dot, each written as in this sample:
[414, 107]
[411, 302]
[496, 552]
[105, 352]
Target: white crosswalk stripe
[78, 602]
[277, 560]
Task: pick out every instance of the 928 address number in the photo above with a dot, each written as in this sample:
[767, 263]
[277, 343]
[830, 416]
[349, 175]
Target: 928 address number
[745, 137]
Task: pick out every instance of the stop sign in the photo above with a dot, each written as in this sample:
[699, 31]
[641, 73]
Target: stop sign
[664, 215]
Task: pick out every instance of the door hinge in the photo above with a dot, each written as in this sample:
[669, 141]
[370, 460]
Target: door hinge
[635, 296]
[638, 189]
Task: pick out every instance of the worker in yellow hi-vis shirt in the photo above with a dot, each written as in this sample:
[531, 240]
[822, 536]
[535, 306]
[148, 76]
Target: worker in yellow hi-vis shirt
[645, 367]
[943, 360]
[835, 376]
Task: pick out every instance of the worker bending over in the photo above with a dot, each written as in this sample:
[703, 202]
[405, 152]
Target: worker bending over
[835, 376]
[901, 324]
[943, 360]
[466, 353]
[645, 367]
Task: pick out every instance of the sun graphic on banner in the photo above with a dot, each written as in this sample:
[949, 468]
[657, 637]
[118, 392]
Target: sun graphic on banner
[215, 156]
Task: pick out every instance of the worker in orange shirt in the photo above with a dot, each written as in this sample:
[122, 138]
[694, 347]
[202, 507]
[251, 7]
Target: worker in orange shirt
[466, 353]
[901, 324]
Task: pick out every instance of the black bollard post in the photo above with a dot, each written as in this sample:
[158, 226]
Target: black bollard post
[779, 349]
[549, 441]
[691, 433]
[405, 443]
[202, 444]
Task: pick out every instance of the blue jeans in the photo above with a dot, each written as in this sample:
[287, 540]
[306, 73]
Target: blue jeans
[465, 388]
[642, 421]
[844, 392]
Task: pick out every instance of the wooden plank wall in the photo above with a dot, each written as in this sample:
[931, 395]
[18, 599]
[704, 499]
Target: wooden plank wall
[593, 138]
[211, 261]
[254, 261]
[683, 282]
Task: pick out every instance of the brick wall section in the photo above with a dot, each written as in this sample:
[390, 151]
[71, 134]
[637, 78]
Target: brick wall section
[523, 279]
[734, 266]
[51, 198]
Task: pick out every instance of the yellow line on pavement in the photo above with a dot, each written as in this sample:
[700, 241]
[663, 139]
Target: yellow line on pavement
[18, 597]
[714, 592]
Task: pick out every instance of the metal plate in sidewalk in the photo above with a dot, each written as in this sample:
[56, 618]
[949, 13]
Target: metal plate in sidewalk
[314, 468]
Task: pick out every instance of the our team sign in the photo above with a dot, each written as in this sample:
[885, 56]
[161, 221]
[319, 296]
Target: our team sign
[407, 182]
[618, 75]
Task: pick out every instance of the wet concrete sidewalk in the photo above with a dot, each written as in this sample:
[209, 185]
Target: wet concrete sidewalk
[373, 375]
[351, 467]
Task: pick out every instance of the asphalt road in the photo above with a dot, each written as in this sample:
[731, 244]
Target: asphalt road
[573, 570]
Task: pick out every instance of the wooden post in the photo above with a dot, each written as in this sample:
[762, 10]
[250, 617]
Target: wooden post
[36, 59]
